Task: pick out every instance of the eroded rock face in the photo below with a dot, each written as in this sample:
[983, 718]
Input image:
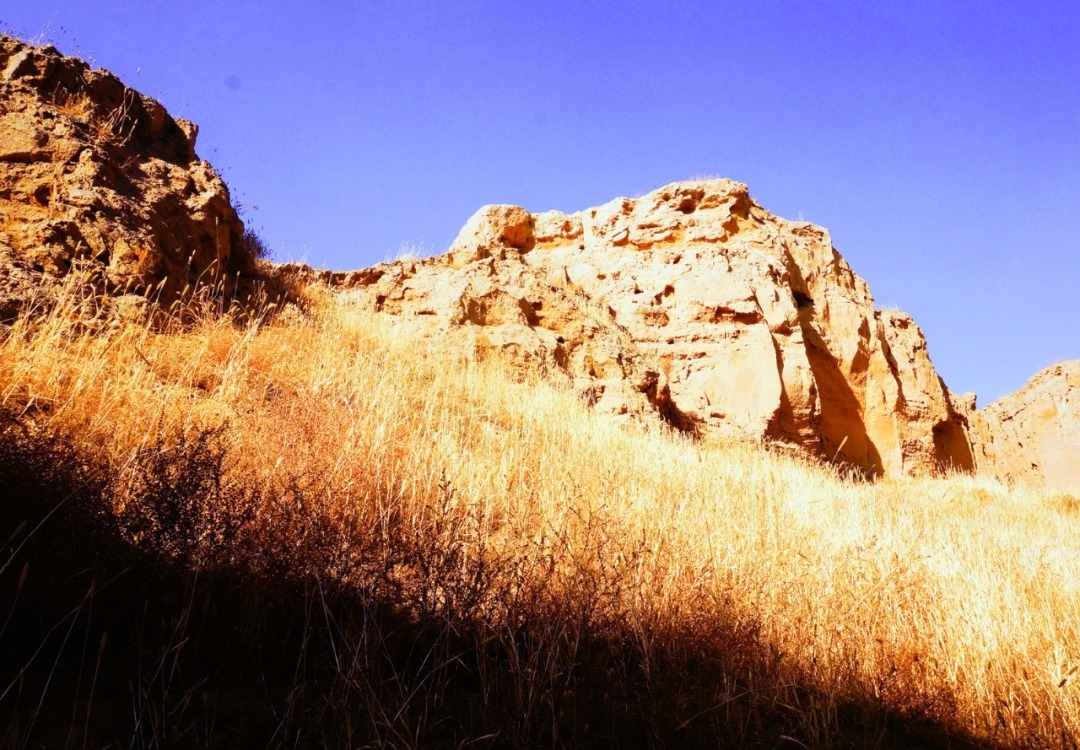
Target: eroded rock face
[1034, 434]
[694, 303]
[96, 177]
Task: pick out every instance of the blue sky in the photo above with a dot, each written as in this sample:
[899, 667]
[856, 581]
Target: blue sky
[939, 142]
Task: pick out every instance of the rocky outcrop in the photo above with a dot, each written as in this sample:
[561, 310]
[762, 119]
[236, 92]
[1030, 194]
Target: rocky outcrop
[1034, 434]
[98, 178]
[691, 304]
[695, 304]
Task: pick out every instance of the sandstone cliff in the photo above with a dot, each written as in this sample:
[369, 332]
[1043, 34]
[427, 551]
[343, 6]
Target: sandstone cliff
[695, 304]
[1033, 434]
[98, 178]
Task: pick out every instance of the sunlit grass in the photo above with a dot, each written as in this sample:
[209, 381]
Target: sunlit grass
[952, 600]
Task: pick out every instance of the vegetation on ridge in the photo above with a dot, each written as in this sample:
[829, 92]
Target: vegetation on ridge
[317, 528]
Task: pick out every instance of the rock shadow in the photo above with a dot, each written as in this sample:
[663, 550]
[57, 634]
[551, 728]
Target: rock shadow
[841, 426]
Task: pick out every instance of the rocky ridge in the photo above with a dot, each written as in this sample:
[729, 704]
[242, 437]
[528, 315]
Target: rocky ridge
[99, 179]
[691, 305]
[694, 304]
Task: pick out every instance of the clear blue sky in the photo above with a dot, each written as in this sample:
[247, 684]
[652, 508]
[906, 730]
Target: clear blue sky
[939, 142]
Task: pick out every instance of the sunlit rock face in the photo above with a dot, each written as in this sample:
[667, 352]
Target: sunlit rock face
[99, 179]
[695, 305]
[1034, 434]
[691, 306]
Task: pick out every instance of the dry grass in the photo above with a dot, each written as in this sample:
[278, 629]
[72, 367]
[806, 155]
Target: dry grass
[488, 561]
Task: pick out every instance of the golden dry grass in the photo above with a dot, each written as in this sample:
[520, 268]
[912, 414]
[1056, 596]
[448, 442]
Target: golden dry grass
[953, 601]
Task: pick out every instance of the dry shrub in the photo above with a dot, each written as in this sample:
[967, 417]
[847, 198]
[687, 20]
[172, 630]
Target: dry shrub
[255, 245]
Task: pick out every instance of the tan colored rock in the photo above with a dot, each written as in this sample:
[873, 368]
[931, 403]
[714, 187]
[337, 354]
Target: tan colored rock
[497, 303]
[1034, 434]
[695, 304]
[691, 304]
[96, 175]
[494, 229]
[931, 428]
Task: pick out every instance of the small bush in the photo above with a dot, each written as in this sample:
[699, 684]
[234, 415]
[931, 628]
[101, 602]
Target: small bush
[255, 245]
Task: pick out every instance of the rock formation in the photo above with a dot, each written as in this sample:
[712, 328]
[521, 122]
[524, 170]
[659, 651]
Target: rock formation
[692, 304]
[1033, 434]
[98, 178]
[696, 304]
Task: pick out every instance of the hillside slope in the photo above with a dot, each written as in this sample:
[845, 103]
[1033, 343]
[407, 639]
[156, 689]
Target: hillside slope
[572, 581]
[395, 509]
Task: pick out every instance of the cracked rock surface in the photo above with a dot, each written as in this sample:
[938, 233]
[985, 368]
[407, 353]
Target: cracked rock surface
[99, 179]
[694, 305]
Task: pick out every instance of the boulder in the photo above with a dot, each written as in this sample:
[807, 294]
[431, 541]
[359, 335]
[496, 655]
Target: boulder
[98, 178]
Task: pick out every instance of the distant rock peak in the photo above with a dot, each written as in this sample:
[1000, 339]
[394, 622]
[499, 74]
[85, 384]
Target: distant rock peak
[1034, 434]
